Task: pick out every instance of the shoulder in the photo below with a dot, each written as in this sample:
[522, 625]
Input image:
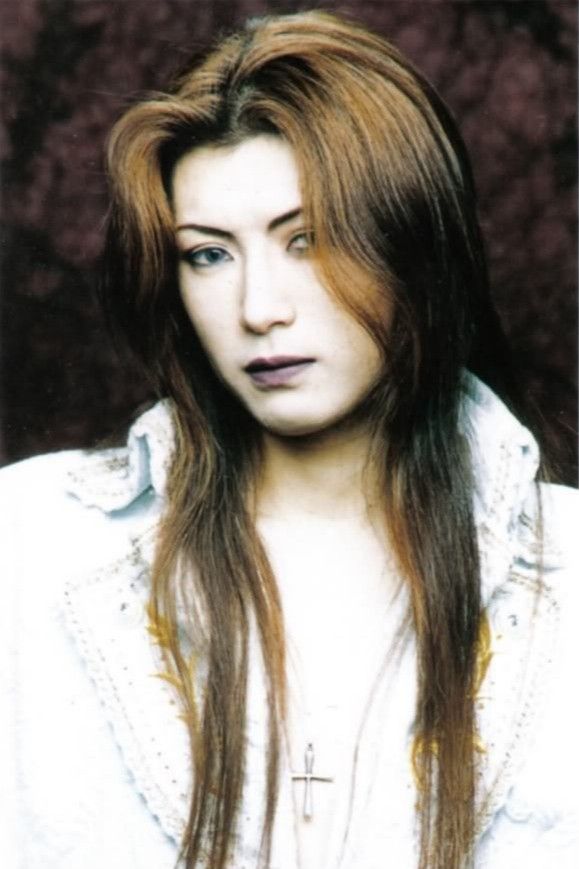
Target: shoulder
[535, 621]
[71, 510]
[40, 496]
[543, 798]
[38, 475]
[36, 501]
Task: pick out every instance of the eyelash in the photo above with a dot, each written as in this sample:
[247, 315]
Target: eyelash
[193, 257]
[308, 236]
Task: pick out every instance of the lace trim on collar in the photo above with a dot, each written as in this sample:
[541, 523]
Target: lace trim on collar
[112, 479]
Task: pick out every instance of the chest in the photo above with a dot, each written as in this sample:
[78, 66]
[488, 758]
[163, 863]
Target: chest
[338, 593]
[337, 588]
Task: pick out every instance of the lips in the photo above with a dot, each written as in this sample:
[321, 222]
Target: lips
[273, 363]
[276, 371]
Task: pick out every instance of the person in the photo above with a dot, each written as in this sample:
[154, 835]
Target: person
[320, 610]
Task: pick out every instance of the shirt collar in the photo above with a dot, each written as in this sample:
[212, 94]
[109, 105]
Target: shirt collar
[504, 453]
[112, 479]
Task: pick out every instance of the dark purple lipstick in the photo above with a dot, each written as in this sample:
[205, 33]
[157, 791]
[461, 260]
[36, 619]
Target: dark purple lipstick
[276, 370]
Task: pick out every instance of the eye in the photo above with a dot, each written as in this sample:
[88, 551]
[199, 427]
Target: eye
[205, 257]
[302, 242]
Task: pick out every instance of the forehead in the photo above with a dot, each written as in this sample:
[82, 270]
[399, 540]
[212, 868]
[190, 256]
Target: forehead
[238, 185]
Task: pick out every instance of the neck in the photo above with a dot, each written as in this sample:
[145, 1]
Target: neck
[327, 476]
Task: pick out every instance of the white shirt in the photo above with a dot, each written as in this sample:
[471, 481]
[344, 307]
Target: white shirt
[93, 756]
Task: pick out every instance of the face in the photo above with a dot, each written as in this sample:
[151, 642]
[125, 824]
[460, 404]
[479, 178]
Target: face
[296, 359]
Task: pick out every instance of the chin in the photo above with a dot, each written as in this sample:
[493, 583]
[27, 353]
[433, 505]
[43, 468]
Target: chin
[291, 428]
[299, 426]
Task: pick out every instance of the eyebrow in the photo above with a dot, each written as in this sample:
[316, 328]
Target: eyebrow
[222, 233]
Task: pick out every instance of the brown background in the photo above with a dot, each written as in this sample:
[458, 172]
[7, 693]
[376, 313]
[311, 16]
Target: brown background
[507, 69]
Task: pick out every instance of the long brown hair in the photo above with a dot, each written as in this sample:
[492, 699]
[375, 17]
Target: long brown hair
[388, 190]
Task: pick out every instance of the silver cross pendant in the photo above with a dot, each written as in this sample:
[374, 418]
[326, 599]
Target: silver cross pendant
[308, 777]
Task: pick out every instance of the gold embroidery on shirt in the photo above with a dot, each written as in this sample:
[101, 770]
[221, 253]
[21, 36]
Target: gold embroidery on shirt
[420, 746]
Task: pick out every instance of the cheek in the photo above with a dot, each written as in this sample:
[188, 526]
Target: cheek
[363, 356]
[202, 314]
[365, 366]
[209, 302]
[368, 367]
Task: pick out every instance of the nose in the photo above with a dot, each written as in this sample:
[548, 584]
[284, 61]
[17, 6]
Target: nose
[266, 297]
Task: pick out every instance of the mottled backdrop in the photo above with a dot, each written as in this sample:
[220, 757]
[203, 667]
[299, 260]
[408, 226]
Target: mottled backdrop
[507, 69]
